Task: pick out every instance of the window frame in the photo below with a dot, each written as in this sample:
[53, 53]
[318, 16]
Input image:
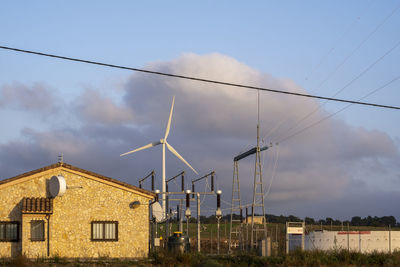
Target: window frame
[103, 239]
[43, 231]
[5, 231]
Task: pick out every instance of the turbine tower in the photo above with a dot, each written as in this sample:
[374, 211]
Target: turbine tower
[164, 143]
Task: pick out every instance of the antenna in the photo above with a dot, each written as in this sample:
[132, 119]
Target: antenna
[61, 158]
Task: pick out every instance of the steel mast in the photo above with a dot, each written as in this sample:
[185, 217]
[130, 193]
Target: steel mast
[258, 189]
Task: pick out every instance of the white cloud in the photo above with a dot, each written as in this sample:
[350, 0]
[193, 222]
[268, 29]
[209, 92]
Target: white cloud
[38, 97]
[96, 108]
[317, 163]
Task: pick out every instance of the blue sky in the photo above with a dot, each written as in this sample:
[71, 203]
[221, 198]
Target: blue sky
[288, 45]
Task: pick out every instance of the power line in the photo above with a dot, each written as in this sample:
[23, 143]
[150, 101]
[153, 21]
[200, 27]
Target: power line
[358, 46]
[332, 49]
[394, 10]
[200, 79]
[347, 85]
[340, 110]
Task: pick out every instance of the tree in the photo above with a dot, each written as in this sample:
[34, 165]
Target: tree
[388, 220]
[292, 218]
[329, 221]
[309, 220]
[356, 220]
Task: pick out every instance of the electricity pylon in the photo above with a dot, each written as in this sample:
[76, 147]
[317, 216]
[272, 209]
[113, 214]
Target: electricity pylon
[258, 193]
[258, 189]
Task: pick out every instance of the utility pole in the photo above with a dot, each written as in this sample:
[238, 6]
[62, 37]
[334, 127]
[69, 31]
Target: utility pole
[166, 198]
[218, 215]
[180, 215]
[198, 222]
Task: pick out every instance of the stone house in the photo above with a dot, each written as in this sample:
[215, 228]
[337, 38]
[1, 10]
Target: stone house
[88, 216]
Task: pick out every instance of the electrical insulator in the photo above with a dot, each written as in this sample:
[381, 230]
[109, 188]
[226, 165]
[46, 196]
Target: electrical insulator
[187, 201]
[183, 181]
[218, 212]
[152, 180]
[187, 211]
[212, 182]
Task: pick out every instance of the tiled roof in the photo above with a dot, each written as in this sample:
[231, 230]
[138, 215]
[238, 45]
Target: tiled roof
[71, 167]
[37, 205]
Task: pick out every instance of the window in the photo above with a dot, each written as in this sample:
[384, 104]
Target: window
[105, 231]
[37, 230]
[9, 231]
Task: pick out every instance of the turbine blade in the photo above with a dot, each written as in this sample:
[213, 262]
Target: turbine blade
[170, 148]
[169, 120]
[141, 148]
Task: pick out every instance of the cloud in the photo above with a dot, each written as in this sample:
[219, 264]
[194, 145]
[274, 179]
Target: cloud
[95, 108]
[38, 97]
[211, 124]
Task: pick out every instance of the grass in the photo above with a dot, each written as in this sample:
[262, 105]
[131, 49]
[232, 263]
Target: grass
[208, 249]
[297, 258]
[276, 231]
[163, 258]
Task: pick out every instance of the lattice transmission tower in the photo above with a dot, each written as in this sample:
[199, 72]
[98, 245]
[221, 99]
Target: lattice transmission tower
[236, 227]
[258, 189]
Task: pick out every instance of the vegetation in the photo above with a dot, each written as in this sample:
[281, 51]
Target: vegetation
[355, 221]
[276, 230]
[163, 258]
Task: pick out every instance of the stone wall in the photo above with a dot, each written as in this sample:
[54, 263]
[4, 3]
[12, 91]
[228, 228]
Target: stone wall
[33, 249]
[70, 223]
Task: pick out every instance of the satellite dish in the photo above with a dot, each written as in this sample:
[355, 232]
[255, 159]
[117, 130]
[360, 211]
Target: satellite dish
[157, 212]
[57, 186]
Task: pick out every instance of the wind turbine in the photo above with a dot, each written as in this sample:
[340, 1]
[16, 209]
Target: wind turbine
[164, 143]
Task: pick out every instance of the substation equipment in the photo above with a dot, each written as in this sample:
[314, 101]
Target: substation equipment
[190, 196]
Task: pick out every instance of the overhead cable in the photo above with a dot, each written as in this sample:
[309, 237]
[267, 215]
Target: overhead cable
[340, 110]
[201, 79]
[332, 49]
[394, 10]
[347, 85]
[340, 65]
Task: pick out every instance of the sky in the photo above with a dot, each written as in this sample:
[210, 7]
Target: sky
[322, 162]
